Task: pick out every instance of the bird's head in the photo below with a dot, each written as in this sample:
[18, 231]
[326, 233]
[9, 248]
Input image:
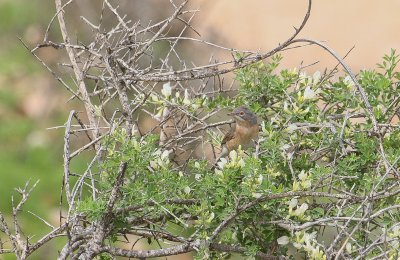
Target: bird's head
[244, 115]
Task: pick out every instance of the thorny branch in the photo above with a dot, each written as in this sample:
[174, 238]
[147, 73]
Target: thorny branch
[118, 75]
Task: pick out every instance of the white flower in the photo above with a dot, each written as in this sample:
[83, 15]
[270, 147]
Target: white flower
[221, 163]
[186, 100]
[309, 237]
[159, 114]
[136, 145]
[380, 107]
[241, 163]
[233, 155]
[97, 110]
[218, 172]
[212, 215]
[302, 77]
[309, 93]
[309, 248]
[165, 155]
[187, 189]
[297, 245]
[292, 203]
[296, 185]
[318, 254]
[256, 195]
[154, 98]
[305, 111]
[316, 77]
[162, 160]
[195, 105]
[291, 128]
[349, 82]
[236, 159]
[307, 242]
[166, 90]
[286, 107]
[134, 130]
[299, 240]
[396, 231]
[260, 179]
[234, 235]
[284, 240]
[302, 175]
[197, 165]
[349, 248]
[306, 184]
[300, 211]
[305, 181]
[154, 164]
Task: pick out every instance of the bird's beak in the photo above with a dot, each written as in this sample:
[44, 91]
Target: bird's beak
[231, 114]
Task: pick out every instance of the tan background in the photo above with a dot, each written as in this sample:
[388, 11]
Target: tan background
[371, 26]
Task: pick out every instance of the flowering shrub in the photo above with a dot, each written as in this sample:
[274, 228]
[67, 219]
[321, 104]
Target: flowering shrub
[322, 180]
[316, 168]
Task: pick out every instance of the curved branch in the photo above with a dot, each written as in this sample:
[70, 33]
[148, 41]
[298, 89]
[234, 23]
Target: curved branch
[161, 30]
[189, 74]
[181, 249]
[364, 97]
[141, 254]
[251, 204]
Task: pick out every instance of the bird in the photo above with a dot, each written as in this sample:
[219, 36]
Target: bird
[243, 133]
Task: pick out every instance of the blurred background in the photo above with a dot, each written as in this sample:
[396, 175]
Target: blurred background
[31, 100]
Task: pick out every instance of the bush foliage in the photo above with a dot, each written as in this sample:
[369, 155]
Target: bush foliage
[322, 180]
[318, 157]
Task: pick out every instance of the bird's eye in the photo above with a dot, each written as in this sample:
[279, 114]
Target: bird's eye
[241, 113]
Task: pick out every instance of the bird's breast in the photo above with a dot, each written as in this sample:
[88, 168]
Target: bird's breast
[246, 133]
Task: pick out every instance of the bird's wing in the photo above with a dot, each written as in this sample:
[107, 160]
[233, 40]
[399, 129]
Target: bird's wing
[224, 150]
[228, 136]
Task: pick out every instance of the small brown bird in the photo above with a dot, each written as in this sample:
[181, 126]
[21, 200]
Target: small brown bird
[245, 130]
